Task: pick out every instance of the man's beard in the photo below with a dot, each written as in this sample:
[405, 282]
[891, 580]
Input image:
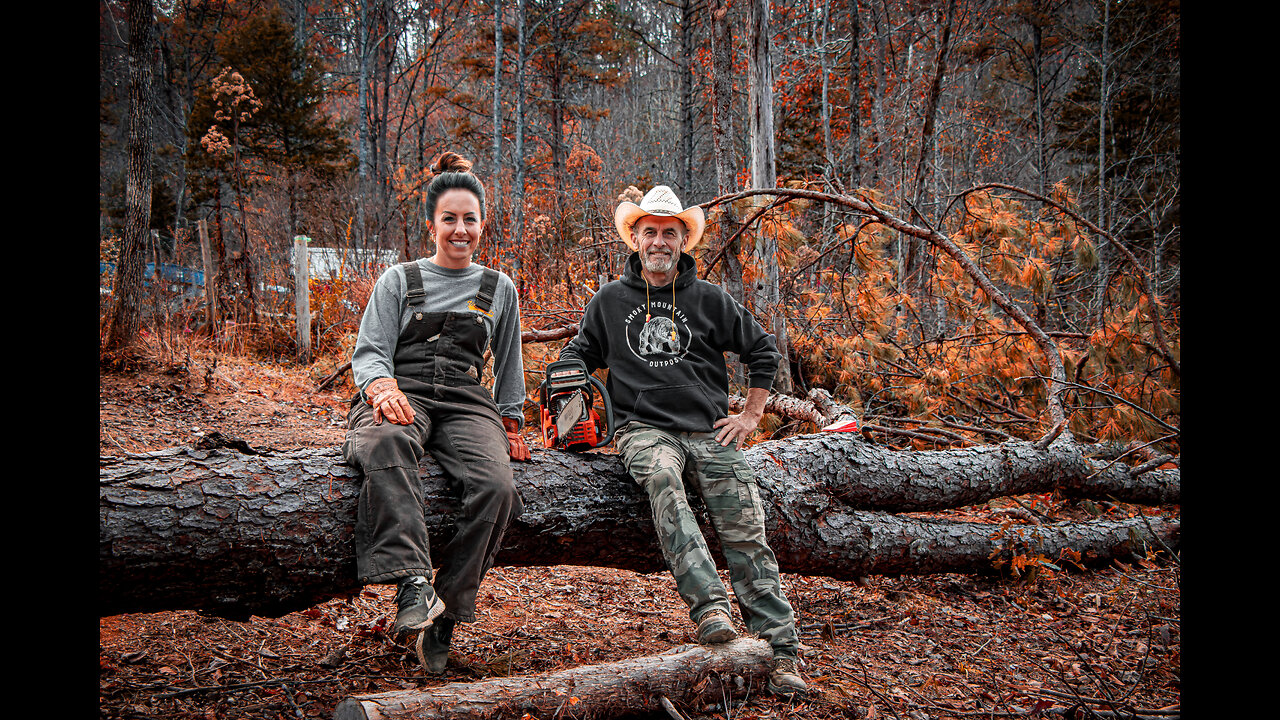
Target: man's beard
[659, 264]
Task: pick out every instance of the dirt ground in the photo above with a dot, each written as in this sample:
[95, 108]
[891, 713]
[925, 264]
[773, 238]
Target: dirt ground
[1106, 643]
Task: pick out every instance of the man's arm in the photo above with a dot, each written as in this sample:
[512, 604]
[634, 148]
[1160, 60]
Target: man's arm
[758, 351]
[587, 345]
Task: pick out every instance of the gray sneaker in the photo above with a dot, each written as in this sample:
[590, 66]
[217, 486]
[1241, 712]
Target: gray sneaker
[433, 645]
[785, 678]
[715, 628]
[417, 606]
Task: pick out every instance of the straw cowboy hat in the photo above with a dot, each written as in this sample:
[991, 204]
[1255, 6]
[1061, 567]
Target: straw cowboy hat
[660, 201]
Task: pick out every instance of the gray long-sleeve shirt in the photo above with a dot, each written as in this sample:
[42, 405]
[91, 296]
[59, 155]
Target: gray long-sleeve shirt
[447, 291]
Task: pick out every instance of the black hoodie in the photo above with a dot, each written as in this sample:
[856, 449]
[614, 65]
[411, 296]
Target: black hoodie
[679, 384]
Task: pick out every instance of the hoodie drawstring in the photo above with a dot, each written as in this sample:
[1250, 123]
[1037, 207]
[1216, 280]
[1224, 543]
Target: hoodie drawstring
[648, 317]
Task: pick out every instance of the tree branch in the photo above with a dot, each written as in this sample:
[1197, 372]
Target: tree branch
[1048, 348]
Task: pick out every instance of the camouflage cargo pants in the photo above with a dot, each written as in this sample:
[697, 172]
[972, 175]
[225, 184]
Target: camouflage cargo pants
[658, 460]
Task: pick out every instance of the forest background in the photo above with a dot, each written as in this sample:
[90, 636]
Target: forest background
[961, 218]
[972, 205]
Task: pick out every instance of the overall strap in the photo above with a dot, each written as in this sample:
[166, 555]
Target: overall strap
[414, 293]
[484, 296]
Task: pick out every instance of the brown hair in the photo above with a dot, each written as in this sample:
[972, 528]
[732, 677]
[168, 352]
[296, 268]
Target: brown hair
[452, 172]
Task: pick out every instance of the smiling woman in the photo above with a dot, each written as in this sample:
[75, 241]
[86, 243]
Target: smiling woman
[419, 364]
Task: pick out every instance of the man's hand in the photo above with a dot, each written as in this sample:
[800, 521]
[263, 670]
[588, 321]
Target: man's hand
[388, 402]
[517, 448]
[736, 428]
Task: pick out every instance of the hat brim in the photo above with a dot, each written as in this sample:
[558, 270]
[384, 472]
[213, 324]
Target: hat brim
[628, 213]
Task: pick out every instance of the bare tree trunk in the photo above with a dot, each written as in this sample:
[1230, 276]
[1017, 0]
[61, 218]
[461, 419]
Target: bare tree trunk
[364, 159]
[760, 96]
[386, 53]
[723, 150]
[517, 191]
[824, 110]
[686, 96]
[210, 275]
[881, 156]
[1103, 61]
[495, 213]
[126, 315]
[918, 270]
[855, 98]
[1103, 278]
[722, 143]
[557, 91]
[764, 175]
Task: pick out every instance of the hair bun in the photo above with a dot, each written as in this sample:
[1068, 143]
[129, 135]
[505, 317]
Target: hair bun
[451, 162]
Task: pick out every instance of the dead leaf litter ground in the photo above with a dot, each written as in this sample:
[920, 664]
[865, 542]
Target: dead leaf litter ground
[1104, 643]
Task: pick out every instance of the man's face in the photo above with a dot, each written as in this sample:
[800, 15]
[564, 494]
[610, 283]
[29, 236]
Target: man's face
[659, 239]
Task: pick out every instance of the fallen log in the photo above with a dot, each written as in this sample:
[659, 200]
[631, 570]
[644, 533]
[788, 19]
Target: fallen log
[238, 532]
[689, 675]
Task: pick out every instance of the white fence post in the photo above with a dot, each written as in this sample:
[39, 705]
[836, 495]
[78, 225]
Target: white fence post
[210, 296]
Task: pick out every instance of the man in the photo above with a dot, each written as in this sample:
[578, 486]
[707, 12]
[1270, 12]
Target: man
[663, 333]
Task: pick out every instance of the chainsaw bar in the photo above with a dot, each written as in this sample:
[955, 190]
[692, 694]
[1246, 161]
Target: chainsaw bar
[575, 408]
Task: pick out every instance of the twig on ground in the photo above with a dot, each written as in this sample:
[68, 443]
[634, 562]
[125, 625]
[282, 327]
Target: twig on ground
[670, 708]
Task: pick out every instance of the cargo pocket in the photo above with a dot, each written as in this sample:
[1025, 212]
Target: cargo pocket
[749, 495]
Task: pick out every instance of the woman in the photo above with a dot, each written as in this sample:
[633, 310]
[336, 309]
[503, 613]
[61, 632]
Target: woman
[418, 361]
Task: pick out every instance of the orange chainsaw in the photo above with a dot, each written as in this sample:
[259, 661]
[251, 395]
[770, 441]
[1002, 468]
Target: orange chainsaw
[567, 399]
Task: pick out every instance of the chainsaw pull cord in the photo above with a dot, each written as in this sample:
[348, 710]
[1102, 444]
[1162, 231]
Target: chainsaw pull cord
[648, 317]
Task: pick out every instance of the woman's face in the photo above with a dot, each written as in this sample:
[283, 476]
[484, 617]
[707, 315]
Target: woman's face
[457, 224]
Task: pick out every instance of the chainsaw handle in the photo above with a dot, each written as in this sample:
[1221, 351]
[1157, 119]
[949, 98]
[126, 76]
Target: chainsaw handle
[608, 411]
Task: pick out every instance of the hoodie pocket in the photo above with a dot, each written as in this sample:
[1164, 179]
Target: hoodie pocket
[677, 407]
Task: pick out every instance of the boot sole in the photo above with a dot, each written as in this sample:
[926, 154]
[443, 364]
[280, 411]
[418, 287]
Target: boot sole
[786, 691]
[718, 637]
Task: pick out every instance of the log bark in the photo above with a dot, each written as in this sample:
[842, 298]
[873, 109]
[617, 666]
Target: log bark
[689, 675]
[236, 532]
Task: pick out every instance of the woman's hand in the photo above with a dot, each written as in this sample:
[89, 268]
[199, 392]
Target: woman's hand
[517, 448]
[388, 402]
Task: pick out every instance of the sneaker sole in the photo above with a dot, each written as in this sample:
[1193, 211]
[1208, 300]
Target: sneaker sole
[422, 655]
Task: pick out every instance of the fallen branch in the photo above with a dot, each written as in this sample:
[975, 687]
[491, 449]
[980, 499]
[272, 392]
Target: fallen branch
[819, 408]
[1048, 348]
[688, 675]
[325, 383]
[560, 333]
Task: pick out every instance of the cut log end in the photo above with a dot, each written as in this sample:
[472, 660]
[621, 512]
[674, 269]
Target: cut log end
[351, 709]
